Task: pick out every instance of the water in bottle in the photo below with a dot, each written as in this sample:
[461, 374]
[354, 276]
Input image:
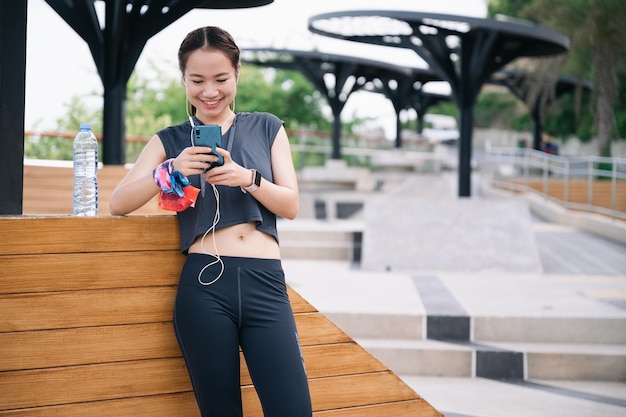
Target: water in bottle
[85, 172]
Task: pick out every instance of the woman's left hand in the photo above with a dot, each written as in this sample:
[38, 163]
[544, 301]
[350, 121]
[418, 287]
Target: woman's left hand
[230, 173]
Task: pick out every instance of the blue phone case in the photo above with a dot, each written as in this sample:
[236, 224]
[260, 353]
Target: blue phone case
[209, 136]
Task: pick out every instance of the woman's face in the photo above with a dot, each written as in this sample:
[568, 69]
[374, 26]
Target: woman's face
[210, 84]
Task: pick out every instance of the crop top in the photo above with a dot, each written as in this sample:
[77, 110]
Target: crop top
[253, 135]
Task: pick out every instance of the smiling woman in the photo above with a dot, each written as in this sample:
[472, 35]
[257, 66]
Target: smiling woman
[232, 292]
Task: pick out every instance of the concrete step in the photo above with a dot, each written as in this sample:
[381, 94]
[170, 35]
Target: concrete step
[500, 360]
[576, 330]
[513, 330]
[571, 361]
[421, 357]
[311, 239]
[381, 325]
[461, 397]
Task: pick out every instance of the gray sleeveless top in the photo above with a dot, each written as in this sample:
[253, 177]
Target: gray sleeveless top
[252, 136]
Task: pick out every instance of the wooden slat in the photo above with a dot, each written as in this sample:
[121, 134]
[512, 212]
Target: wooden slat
[410, 408]
[356, 390]
[83, 346]
[42, 311]
[53, 386]
[82, 271]
[51, 235]
[177, 404]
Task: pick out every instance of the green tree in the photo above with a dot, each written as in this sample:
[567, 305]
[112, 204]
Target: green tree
[507, 7]
[597, 33]
[595, 27]
[60, 148]
[288, 94]
[494, 109]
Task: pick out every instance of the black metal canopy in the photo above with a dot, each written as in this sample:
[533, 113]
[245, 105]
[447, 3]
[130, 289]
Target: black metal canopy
[115, 46]
[398, 83]
[462, 50]
[517, 82]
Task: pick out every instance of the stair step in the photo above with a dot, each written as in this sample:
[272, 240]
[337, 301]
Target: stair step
[316, 239]
[380, 326]
[577, 330]
[421, 357]
[500, 360]
[573, 361]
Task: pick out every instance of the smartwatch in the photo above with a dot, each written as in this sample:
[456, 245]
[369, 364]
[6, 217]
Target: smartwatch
[256, 182]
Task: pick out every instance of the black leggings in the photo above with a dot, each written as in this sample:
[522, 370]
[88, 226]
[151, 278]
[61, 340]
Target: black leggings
[248, 307]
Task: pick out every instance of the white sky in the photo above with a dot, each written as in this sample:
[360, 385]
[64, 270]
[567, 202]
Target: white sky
[59, 64]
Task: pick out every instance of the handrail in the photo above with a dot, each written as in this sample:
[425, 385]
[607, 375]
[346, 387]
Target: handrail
[529, 170]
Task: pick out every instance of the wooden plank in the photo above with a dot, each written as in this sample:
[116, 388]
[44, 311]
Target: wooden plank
[70, 347]
[47, 387]
[81, 271]
[357, 390]
[42, 311]
[410, 408]
[38, 235]
[166, 405]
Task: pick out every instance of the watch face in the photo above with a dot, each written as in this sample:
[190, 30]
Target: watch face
[257, 178]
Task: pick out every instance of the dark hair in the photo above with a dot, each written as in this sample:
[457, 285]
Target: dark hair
[208, 37]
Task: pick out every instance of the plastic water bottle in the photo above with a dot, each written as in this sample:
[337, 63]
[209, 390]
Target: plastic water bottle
[85, 172]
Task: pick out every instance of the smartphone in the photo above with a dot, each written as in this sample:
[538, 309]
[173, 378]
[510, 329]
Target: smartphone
[211, 137]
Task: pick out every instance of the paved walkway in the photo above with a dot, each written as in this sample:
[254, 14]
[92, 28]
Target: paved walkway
[583, 276]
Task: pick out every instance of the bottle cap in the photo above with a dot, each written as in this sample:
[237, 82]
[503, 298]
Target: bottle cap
[85, 126]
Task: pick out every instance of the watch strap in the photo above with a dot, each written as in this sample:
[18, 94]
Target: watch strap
[256, 182]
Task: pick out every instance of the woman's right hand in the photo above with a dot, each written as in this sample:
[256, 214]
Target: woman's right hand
[194, 160]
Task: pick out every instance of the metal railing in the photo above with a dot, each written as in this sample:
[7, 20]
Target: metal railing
[560, 178]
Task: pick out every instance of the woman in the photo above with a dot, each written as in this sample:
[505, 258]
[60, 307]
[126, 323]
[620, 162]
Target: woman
[232, 291]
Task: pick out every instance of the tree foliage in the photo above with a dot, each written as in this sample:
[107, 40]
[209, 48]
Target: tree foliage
[288, 94]
[155, 99]
[597, 52]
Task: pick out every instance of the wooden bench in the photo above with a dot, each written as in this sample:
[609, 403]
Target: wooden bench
[86, 329]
